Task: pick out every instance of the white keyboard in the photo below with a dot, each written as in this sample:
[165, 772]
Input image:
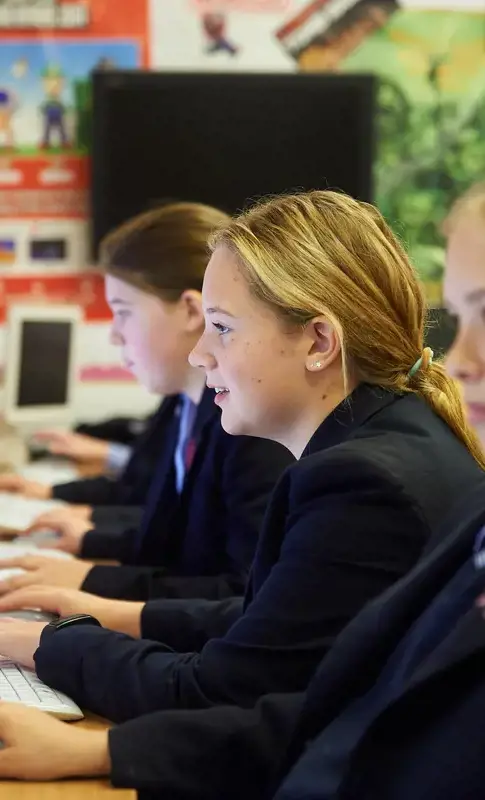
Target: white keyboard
[50, 472]
[23, 546]
[17, 512]
[19, 685]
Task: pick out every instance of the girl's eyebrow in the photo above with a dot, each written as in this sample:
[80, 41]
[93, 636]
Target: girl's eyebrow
[219, 310]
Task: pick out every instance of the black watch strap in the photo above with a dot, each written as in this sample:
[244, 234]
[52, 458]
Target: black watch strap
[67, 622]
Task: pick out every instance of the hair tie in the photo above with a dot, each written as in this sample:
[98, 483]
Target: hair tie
[419, 363]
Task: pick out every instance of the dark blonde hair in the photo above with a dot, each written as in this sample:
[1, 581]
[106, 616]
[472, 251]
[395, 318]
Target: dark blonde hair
[323, 253]
[163, 251]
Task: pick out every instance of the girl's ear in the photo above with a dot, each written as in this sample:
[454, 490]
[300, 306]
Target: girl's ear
[191, 301]
[324, 344]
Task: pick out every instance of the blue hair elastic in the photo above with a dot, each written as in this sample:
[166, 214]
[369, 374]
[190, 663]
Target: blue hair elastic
[419, 363]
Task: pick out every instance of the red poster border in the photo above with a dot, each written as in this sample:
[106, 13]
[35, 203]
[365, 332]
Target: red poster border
[110, 19]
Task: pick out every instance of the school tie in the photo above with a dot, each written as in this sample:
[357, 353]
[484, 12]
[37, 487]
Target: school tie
[185, 449]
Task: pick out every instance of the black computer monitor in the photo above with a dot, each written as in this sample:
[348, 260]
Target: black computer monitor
[224, 139]
[44, 380]
[41, 363]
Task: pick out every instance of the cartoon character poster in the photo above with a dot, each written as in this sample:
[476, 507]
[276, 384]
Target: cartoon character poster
[45, 92]
[48, 50]
[429, 55]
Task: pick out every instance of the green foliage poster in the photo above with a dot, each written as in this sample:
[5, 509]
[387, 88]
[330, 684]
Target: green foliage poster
[429, 55]
[431, 143]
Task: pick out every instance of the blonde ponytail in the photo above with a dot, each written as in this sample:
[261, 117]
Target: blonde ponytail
[443, 394]
[323, 253]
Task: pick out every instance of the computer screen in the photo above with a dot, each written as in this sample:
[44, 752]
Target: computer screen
[44, 381]
[53, 249]
[41, 363]
[225, 139]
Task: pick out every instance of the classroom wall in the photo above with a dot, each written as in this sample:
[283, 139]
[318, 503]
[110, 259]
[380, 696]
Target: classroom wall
[429, 53]
[47, 50]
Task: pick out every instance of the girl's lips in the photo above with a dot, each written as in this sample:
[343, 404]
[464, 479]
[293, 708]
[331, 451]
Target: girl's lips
[476, 412]
[220, 397]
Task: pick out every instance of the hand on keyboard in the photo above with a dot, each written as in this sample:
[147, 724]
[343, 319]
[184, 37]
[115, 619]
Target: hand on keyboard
[49, 519]
[17, 484]
[69, 530]
[19, 640]
[17, 511]
[41, 570]
[76, 446]
[20, 612]
[119, 615]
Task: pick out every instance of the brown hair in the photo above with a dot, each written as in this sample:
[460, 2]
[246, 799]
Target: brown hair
[472, 202]
[323, 253]
[163, 251]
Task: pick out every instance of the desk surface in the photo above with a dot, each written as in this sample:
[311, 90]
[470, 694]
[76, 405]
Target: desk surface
[14, 450]
[93, 789]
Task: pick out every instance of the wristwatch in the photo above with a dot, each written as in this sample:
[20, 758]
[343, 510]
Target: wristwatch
[67, 622]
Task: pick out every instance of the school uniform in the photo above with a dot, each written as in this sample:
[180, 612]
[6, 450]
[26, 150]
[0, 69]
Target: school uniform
[117, 502]
[122, 430]
[344, 523]
[394, 711]
[204, 511]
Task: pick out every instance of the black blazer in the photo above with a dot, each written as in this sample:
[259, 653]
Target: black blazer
[125, 430]
[130, 488]
[426, 744]
[344, 523]
[202, 541]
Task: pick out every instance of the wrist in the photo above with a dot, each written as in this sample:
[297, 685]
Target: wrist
[39, 491]
[124, 617]
[89, 755]
[45, 492]
[61, 623]
[103, 451]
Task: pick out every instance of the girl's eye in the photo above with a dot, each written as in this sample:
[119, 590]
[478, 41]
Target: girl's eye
[222, 329]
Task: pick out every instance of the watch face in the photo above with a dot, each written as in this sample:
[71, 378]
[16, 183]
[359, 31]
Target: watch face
[74, 619]
[78, 618]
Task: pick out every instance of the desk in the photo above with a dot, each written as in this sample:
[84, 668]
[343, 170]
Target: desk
[14, 453]
[89, 789]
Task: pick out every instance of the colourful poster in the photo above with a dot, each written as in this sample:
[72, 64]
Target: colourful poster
[43, 164]
[215, 36]
[429, 54]
[83, 289]
[48, 50]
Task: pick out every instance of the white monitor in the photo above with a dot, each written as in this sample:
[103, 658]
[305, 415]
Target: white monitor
[41, 365]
